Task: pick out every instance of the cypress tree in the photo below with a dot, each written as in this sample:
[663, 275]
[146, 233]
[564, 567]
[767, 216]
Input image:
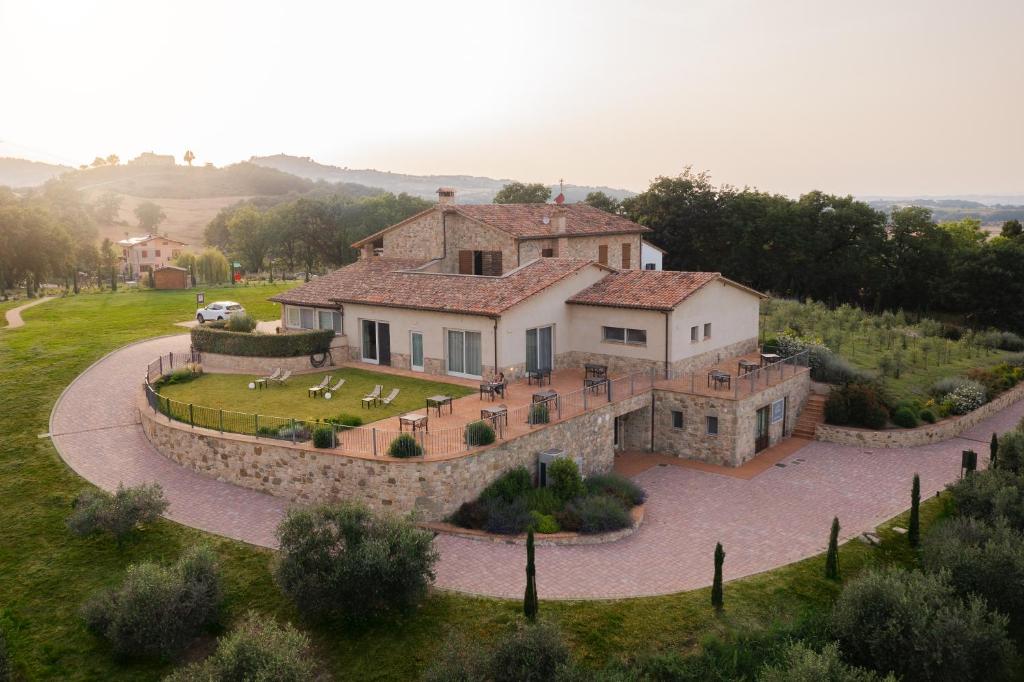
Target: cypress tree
[914, 527]
[832, 557]
[993, 450]
[530, 599]
[716, 586]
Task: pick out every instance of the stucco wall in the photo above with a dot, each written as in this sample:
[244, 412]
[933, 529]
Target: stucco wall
[587, 338]
[432, 488]
[922, 435]
[732, 312]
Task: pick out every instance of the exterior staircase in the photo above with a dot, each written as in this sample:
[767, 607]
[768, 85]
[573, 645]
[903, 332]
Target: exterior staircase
[812, 415]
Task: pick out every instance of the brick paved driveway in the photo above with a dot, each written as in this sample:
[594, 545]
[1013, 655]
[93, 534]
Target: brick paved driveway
[776, 518]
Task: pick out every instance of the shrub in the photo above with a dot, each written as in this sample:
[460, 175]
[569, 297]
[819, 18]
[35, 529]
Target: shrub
[241, 323]
[405, 445]
[298, 433]
[927, 416]
[472, 514]
[157, 610]
[323, 437]
[569, 518]
[600, 513]
[544, 523]
[543, 501]
[539, 413]
[857, 405]
[990, 494]
[457, 661]
[511, 485]
[829, 368]
[270, 431]
[507, 517]
[1011, 452]
[479, 433]
[529, 653]
[980, 558]
[800, 663]
[292, 344]
[257, 649]
[118, 514]
[946, 385]
[564, 479]
[966, 398]
[904, 417]
[837, 408]
[628, 492]
[5, 666]
[915, 625]
[345, 419]
[181, 375]
[341, 560]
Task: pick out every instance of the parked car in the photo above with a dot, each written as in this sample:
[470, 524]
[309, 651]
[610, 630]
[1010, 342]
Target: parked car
[219, 310]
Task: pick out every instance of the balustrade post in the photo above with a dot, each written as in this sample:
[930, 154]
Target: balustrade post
[256, 425]
[191, 420]
[293, 430]
[374, 435]
[161, 359]
[222, 421]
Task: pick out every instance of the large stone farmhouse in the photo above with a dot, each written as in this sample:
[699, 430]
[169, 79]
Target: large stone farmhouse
[474, 290]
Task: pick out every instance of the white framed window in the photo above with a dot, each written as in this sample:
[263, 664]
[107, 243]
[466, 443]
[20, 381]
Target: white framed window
[707, 330]
[292, 317]
[634, 337]
[329, 319]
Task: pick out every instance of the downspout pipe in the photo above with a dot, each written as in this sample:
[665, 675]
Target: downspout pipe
[668, 315]
[496, 370]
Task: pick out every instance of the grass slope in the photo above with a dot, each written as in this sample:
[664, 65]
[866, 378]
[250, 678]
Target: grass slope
[45, 573]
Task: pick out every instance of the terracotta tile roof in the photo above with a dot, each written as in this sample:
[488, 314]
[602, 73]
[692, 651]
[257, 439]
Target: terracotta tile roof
[527, 220]
[388, 282]
[645, 289]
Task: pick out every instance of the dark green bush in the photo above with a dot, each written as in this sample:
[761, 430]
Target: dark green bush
[513, 484]
[569, 518]
[837, 408]
[345, 419]
[830, 368]
[241, 323]
[506, 517]
[257, 649]
[803, 664]
[980, 558]
[300, 433]
[857, 405]
[564, 479]
[628, 492]
[904, 417]
[1011, 452]
[479, 433]
[927, 416]
[543, 501]
[539, 413]
[323, 437]
[600, 513]
[472, 514]
[990, 494]
[915, 625]
[181, 375]
[342, 561]
[288, 345]
[157, 610]
[529, 653]
[271, 431]
[405, 445]
[5, 665]
[118, 514]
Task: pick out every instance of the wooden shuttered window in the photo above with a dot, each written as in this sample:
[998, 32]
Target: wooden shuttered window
[490, 263]
[602, 254]
[465, 262]
[626, 255]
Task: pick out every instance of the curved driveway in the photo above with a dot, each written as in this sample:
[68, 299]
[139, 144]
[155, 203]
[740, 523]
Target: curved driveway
[778, 517]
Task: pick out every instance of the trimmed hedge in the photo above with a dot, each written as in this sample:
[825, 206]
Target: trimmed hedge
[292, 344]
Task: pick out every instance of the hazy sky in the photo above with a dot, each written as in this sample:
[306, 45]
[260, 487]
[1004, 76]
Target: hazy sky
[865, 97]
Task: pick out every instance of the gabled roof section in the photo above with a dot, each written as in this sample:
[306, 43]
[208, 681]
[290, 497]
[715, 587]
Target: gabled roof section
[527, 221]
[135, 241]
[649, 289]
[395, 283]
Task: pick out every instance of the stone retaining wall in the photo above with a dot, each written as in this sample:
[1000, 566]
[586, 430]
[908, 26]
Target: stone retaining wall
[922, 435]
[242, 364]
[433, 488]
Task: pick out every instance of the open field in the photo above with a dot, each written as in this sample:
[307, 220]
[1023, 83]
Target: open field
[231, 392]
[186, 218]
[46, 574]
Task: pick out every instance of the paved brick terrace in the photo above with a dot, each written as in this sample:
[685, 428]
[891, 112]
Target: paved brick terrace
[779, 516]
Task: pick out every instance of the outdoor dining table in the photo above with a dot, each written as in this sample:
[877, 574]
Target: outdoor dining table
[541, 396]
[260, 383]
[491, 389]
[438, 402]
[769, 358]
[719, 378]
[593, 371]
[415, 421]
[495, 414]
[539, 375]
[747, 366]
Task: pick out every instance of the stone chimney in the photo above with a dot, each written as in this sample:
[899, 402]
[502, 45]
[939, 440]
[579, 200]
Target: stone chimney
[446, 196]
[558, 218]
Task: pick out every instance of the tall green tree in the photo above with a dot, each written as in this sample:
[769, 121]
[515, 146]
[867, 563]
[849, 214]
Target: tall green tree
[717, 597]
[832, 555]
[523, 193]
[1012, 229]
[107, 206]
[149, 215]
[993, 451]
[602, 201]
[250, 237]
[914, 526]
[530, 598]
[108, 259]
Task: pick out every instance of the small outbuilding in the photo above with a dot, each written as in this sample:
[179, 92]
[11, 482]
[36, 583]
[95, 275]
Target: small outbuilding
[170, 277]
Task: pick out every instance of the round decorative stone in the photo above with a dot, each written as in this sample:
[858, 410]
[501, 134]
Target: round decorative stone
[327, 396]
[252, 384]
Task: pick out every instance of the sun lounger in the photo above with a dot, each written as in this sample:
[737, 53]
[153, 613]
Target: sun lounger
[314, 390]
[391, 396]
[334, 389]
[284, 377]
[371, 399]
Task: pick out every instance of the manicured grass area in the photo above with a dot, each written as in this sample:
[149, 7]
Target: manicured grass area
[231, 392]
[46, 574]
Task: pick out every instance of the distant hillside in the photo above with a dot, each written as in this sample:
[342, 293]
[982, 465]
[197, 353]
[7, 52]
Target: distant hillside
[24, 173]
[471, 189]
[991, 211]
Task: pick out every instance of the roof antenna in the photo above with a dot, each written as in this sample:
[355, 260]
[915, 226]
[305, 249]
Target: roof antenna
[560, 199]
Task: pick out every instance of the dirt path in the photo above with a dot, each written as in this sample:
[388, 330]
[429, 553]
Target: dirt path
[14, 314]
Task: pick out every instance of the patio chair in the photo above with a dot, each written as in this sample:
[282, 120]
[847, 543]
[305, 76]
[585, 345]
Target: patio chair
[284, 377]
[273, 376]
[334, 389]
[391, 396]
[372, 397]
[313, 390]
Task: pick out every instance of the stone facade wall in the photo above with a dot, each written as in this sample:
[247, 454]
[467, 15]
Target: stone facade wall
[794, 390]
[463, 233]
[585, 247]
[418, 238]
[432, 488]
[625, 365]
[922, 435]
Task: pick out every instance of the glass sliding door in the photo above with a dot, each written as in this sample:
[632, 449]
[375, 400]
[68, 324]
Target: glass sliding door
[370, 341]
[464, 353]
[539, 349]
[376, 342]
[416, 351]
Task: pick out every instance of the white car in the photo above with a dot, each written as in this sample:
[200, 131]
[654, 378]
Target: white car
[219, 310]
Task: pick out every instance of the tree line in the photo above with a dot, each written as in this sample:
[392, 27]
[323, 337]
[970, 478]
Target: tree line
[307, 233]
[834, 249]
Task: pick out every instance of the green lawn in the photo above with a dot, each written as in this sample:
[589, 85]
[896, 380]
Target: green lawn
[46, 573]
[231, 392]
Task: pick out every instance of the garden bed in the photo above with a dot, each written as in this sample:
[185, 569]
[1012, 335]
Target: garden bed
[551, 539]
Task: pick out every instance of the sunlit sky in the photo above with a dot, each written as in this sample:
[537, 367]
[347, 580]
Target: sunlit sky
[868, 97]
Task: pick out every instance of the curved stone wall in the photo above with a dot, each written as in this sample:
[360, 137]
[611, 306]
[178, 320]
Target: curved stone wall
[922, 435]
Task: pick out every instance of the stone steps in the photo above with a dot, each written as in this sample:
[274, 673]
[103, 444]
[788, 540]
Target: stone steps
[812, 415]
